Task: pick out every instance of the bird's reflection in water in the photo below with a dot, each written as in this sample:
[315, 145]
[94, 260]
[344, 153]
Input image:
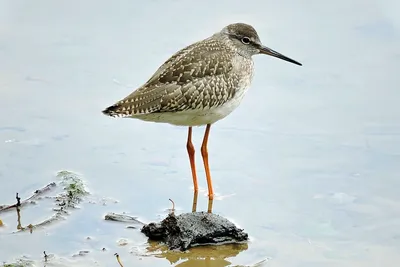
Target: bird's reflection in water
[194, 205]
[201, 256]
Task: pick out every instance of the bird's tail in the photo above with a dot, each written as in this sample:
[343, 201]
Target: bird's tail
[113, 111]
[137, 103]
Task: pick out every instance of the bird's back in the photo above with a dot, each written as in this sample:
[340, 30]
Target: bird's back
[201, 76]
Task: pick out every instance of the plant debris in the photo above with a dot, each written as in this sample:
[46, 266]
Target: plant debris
[19, 263]
[29, 200]
[73, 191]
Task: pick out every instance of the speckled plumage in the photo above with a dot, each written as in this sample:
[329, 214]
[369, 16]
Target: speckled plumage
[195, 83]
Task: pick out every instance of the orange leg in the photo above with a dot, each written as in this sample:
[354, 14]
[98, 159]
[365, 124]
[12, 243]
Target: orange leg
[190, 149]
[194, 205]
[204, 153]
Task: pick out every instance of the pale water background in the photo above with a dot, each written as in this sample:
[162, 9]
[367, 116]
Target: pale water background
[308, 165]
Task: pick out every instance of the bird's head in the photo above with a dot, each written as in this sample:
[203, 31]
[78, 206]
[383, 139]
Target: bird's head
[247, 41]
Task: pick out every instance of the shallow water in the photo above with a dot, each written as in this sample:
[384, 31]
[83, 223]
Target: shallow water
[308, 164]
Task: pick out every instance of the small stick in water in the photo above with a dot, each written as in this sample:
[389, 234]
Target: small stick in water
[18, 200]
[173, 205]
[119, 261]
[45, 256]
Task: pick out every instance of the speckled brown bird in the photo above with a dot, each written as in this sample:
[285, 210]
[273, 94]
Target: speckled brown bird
[199, 85]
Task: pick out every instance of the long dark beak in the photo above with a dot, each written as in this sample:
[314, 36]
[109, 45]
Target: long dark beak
[268, 51]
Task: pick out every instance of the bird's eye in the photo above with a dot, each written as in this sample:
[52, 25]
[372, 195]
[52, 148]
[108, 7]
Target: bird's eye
[246, 40]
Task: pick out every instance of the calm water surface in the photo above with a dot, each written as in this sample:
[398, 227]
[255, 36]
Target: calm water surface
[308, 165]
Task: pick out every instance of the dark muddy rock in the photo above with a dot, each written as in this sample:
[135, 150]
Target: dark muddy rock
[194, 229]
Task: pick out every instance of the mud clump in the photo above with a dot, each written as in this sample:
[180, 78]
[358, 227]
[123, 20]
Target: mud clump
[193, 229]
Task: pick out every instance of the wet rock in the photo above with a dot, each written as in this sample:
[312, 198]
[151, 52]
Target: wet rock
[194, 229]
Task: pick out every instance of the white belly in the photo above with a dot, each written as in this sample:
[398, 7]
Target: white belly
[195, 117]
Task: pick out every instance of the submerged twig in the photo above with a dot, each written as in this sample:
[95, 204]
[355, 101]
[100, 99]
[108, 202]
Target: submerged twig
[35, 195]
[74, 190]
[19, 226]
[118, 259]
[53, 218]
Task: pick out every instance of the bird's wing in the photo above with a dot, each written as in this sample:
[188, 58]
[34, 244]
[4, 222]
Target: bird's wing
[196, 76]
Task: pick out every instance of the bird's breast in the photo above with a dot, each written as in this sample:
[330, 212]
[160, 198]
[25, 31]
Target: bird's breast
[244, 69]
